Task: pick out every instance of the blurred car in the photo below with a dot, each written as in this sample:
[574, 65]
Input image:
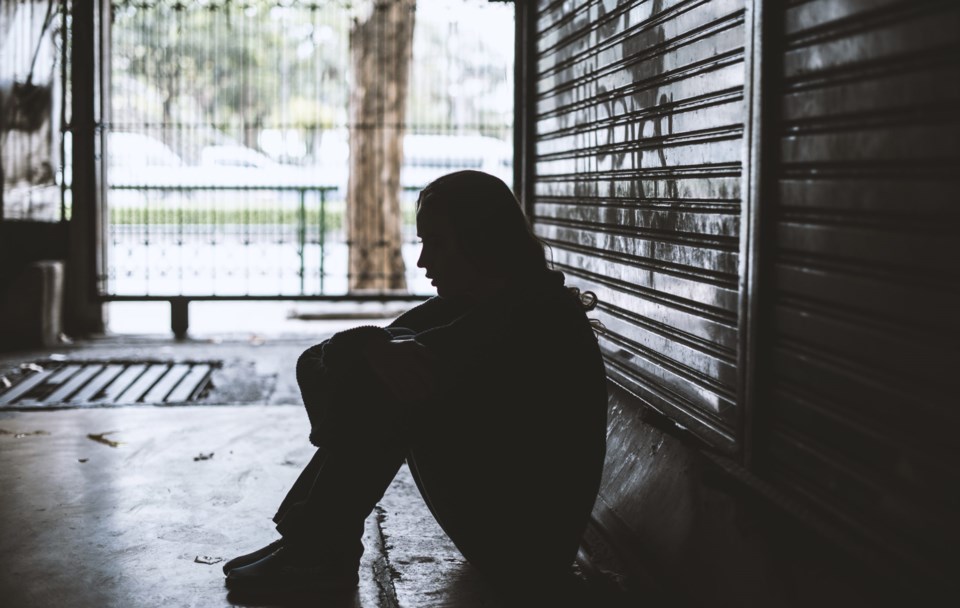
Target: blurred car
[135, 160]
[128, 152]
[230, 155]
[425, 157]
[139, 162]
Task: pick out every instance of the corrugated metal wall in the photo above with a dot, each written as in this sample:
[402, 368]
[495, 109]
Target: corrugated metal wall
[639, 122]
[639, 118]
[860, 418]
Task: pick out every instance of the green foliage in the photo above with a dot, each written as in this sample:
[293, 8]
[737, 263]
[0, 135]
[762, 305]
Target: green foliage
[163, 217]
[231, 67]
[227, 69]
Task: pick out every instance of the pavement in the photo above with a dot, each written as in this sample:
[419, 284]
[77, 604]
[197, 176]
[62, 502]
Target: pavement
[140, 505]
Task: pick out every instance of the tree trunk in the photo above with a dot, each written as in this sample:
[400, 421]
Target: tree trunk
[381, 46]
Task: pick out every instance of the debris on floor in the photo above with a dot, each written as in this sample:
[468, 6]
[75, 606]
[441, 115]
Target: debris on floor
[206, 559]
[17, 435]
[202, 456]
[101, 438]
[82, 460]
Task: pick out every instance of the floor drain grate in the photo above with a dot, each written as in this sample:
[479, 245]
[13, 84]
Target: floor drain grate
[109, 382]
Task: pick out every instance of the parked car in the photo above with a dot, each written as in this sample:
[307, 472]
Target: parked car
[233, 155]
[138, 161]
[128, 152]
[425, 157]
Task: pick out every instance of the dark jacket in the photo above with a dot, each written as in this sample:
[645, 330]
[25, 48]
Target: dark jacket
[513, 446]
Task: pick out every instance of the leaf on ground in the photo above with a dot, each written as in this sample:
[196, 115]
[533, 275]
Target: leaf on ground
[101, 438]
[18, 435]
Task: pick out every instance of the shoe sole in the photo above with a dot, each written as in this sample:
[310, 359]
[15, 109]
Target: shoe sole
[251, 558]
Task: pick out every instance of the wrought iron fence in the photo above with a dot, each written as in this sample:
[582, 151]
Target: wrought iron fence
[227, 148]
[240, 240]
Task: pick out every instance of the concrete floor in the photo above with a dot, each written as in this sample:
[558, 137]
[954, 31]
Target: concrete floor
[86, 524]
[148, 522]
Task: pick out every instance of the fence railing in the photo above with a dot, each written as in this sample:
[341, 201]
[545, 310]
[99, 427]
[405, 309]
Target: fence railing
[203, 241]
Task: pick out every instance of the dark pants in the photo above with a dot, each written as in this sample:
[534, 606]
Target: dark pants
[475, 484]
[358, 455]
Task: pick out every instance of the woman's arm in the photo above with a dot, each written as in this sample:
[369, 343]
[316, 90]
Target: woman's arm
[405, 367]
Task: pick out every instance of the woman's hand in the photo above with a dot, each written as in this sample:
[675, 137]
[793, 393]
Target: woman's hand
[406, 368]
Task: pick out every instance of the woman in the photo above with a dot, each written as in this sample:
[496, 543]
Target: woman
[494, 392]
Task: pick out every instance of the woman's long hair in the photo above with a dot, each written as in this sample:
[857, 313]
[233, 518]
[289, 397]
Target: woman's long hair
[491, 229]
[492, 232]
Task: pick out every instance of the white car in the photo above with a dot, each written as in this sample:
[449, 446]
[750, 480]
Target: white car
[425, 157]
[139, 161]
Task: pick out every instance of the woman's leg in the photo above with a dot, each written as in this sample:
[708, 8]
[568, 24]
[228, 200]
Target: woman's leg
[345, 484]
[514, 514]
[321, 518]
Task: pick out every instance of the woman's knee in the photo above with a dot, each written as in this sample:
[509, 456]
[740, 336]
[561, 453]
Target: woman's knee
[310, 363]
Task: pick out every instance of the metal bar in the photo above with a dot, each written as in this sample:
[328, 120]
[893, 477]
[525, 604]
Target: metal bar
[179, 317]
[64, 127]
[25, 386]
[141, 385]
[63, 373]
[73, 385]
[83, 313]
[385, 297]
[120, 383]
[104, 47]
[90, 389]
[302, 232]
[228, 187]
[60, 376]
[525, 104]
[764, 40]
[190, 385]
[323, 234]
[158, 393]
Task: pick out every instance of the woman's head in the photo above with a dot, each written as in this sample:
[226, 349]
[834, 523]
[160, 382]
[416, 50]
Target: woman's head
[475, 237]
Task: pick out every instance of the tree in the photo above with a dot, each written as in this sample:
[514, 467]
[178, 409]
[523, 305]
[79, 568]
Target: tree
[381, 45]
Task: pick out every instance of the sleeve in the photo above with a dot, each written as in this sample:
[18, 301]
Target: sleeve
[346, 348]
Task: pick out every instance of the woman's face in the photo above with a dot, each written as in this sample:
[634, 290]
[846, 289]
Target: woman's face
[450, 271]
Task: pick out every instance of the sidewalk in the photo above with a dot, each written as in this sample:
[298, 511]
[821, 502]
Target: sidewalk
[140, 505]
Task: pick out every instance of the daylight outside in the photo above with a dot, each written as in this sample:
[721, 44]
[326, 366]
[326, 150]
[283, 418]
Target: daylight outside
[231, 125]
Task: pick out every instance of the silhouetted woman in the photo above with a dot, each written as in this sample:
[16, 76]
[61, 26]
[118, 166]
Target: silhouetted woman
[494, 392]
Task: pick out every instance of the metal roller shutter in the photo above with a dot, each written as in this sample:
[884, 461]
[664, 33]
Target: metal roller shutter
[860, 412]
[639, 120]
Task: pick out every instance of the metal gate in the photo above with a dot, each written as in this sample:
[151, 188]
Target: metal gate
[859, 327]
[227, 141]
[639, 118]
[842, 159]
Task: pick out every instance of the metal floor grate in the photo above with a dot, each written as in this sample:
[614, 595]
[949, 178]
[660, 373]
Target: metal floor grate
[88, 383]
